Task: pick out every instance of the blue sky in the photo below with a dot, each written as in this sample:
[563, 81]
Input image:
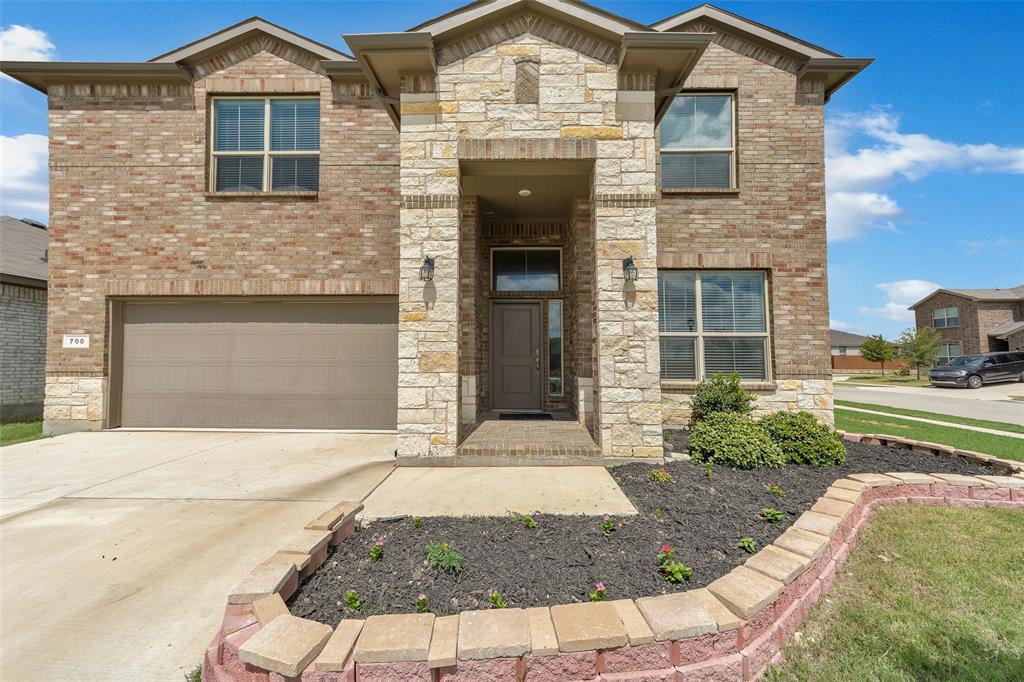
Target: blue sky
[925, 148]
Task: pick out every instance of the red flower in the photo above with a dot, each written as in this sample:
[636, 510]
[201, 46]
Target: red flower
[666, 549]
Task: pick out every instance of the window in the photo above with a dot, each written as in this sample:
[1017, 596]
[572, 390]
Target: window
[948, 351]
[945, 317]
[526, 269]
[266, 144]
[697, 142]
[554, 347]
[712, 323]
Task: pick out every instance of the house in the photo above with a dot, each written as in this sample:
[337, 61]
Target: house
[974, 321]
[521, 207]
[845, 343]
[22, 318]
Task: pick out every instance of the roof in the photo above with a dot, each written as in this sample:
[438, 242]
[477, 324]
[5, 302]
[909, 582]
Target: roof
[242, 31]
[1006, 328]
[570, 10]
[23, 252]
[840, 338]
[1008, 294]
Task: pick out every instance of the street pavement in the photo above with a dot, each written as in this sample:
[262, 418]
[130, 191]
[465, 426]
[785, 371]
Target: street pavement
[989, 402]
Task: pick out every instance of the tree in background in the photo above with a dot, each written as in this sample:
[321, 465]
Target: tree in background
[919, 348]
[877, 349]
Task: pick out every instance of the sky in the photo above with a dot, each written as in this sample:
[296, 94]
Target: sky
[924, 150]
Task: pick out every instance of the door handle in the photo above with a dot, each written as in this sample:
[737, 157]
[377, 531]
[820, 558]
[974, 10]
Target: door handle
[536, 358]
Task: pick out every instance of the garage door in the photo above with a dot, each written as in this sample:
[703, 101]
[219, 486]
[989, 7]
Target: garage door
[280, 364]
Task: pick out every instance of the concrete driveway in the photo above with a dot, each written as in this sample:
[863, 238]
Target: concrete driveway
[117, 549]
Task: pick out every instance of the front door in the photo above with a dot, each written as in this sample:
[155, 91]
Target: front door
[515, 356]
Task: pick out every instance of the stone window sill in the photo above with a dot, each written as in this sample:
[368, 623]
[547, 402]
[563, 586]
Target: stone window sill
[727, 191]
[262, 195]
[686, 385]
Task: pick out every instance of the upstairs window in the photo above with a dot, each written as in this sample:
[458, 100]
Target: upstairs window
[946, 317]
[698, 146]
[267, 144]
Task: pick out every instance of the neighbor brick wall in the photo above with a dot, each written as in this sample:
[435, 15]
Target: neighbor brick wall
[130, 213]
[977, 319]
[22, 351]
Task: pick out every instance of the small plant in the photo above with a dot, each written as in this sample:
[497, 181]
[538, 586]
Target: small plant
[443, 557]
[422, 603]
[417, 521]
[803, 439]
[720, 393]
[747, 545]
[194, 675]
[734, 440]
[775, 489]
[674, 571]
[376, 550]
[497, 601]
[352, 600]
[772, 515]
[709, 469]
[657, 513]
[526, 520]
[660, 476]
[607, 525]
[599, 592]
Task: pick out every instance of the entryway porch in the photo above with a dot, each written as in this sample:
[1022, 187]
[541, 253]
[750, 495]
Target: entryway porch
[561, 438]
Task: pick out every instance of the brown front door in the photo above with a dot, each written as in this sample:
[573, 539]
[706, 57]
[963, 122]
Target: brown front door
[515, 356]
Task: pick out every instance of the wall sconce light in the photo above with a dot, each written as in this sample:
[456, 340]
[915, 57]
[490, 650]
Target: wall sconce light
[629, 271]
[427, 270]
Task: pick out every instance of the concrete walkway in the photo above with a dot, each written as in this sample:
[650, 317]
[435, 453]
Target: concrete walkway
[117, 549]
[955, 425]
[989, 402]
[496, 491]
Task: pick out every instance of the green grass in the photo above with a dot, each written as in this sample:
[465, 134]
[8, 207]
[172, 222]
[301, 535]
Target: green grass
[953, 419]
[19, 432]
[908, 606]
[887, 380]
[990, 444]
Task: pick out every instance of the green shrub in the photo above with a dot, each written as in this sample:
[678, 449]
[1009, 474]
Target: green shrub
[734, 440]
[442, 557]
[720, 393]
[803, 439]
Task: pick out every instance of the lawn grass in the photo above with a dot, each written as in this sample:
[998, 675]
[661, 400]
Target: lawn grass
[19, 432]
[887, 380]
[908, 606]
[990, 444]
[953, 419]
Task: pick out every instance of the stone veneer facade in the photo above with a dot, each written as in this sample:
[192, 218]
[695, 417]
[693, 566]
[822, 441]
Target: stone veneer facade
[131, 217]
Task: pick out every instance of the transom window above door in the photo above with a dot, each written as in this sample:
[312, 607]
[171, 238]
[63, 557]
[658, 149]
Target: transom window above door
[266, 144]
[526, 269]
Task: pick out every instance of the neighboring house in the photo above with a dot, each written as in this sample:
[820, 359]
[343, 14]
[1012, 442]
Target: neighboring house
[974, 321]
[845, 343]
[22, 318]
[520, 206]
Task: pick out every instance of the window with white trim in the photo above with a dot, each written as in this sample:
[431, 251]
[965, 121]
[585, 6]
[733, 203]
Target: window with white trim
[945, 317]
[948, 351]
[266, 144]
[697, 137]
[713, 323]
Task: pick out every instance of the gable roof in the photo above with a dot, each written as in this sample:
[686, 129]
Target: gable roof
[23, 252]
[242, 31]
[1009, 294]
[841, 338]
[572, 11]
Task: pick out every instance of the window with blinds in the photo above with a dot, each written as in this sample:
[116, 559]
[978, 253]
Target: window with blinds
[266, 144]
[713, 323]
[698, 143]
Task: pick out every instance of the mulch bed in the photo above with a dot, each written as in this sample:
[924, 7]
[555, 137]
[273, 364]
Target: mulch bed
[561, 559]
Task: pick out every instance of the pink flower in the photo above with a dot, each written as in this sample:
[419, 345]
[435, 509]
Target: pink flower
[600, 587]
[666, 549]
[379, 543]
[605, 517]
[421, 597]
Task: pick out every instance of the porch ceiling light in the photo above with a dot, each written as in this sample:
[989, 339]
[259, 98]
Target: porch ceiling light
[525, 192]
[427, 270]
[629, 270]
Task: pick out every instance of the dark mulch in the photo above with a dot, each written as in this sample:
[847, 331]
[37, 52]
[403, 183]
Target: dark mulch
[560, 560]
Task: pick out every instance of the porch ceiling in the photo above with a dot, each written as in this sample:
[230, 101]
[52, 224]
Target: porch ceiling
[553, 185]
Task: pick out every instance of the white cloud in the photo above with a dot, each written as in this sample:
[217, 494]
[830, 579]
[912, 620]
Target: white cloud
[843, 326]
[900, 294]
[976, 246]
[23, 175]
[856, 179]
[23, 43]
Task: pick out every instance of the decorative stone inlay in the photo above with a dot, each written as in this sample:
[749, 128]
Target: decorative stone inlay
[746, 592]
[336, 654]
[494, 633]
[593, 625]
[395, 638]
[286, 645]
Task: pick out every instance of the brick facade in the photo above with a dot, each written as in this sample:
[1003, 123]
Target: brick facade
[977, 319]
[22, 352]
